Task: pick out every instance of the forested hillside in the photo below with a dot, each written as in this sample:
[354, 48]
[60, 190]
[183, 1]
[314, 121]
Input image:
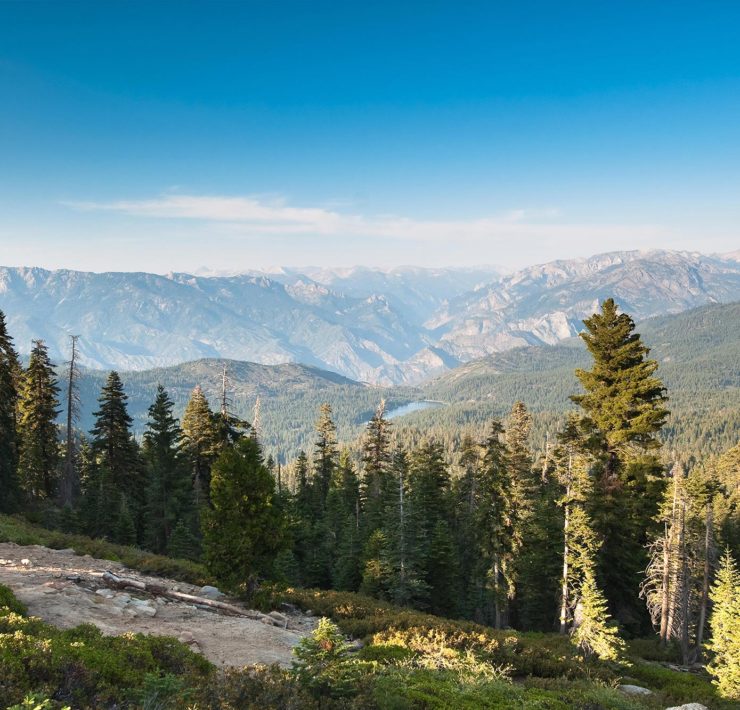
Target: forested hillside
[601, 536]
[699, 357]
[698, 352]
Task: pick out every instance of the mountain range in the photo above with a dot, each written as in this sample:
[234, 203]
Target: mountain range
[698, 352]
[398, 326]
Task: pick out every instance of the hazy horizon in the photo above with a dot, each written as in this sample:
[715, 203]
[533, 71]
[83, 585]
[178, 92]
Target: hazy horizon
[138, 138]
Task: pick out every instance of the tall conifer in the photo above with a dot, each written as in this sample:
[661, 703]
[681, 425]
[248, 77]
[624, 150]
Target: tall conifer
[39, 437]
[9, 384]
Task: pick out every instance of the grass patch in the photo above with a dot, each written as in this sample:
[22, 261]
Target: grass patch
[20, 531]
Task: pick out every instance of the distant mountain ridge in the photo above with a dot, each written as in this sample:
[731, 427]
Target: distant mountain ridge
[396, 326]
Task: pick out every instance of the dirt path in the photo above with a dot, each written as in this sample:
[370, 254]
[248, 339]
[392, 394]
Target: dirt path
[65, 589]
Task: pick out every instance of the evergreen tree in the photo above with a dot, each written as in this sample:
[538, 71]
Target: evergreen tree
[9, 385]
[344, 516]
[594, 634]
[169, 491]
[725, 627]
[580, 541]
[325, 456]
[118, 474]
[624, 404]
[244, 529]
[622, 397]
[402, 528]
[39, 407]
[430, 528]
[465, 495]
[523, 497]
[182, 543]
[200, 442]
[376, 460]
[494, 523]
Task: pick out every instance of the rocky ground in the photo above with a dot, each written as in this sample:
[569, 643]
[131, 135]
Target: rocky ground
[65, 589]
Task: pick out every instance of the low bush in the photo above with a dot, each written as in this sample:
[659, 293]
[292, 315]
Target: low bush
[382, 624]
[80, 666]
[677, 687]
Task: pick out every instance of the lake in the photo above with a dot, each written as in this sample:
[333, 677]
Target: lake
[411, 407]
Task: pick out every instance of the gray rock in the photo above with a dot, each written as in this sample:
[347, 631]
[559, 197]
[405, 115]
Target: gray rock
[279, 618]
[634, 690]
[211, 592]
[689, 706]
[105, 593]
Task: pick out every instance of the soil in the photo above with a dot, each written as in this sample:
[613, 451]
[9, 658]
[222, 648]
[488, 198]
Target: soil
[66, 589]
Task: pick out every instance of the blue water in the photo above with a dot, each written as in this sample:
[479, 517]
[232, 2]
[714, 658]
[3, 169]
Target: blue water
[410, 408]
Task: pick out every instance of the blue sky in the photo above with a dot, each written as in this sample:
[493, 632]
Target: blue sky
[164, 136]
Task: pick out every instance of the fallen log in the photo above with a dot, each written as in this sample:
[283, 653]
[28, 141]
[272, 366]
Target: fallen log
[115, 582]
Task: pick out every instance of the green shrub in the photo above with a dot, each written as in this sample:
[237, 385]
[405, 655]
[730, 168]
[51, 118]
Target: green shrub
[324, 665]
[380, 623]
[257, 688]
[9, 602]
[82, 667]
[676, 687]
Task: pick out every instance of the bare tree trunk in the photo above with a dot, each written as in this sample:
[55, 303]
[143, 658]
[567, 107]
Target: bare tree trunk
[564, 589]
[708, 525]
[673, 570]
[665, 588]
[402, 522]
[684, 587]
[496, 593]
[68, 480]
[566, 552]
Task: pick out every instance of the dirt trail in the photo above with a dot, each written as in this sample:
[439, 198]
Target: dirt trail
[65, 589]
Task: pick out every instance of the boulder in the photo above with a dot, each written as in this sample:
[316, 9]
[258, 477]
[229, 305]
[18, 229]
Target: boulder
[279, 618]
[210, 592]
[634, 690]
[689, 706]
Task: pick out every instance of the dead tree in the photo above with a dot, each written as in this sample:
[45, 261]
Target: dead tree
[69, 478]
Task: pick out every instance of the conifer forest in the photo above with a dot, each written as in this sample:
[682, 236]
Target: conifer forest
[596, 539]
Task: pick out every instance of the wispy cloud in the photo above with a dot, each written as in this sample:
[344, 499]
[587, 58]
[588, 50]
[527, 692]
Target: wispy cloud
[254, 216]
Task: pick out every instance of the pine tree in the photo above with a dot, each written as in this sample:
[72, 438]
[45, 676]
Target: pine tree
[118, 472]
[244, 529]
[402, 528]
[182, 543]
[325, 456]
[465, 495]
[430, 529]
[725, 627]
[376, 459]
[594, 634]
[580, 541]
[39, 443]
[624, 403]
[200, 443]
[344, 516]
[494, 523]
[622, 397]
[523, 497]
[169, 490]
[10, 370]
